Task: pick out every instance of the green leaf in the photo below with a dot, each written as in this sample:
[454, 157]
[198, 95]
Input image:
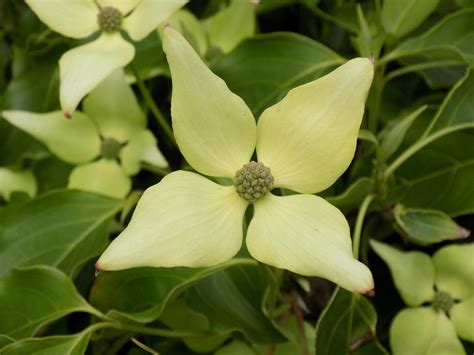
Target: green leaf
[400, 17]
[32, 297]
[62, 229]
[394, 137]
[412, 272]
[140, 294]
[54, 345]
[345, 319]
[424, 331]
[352, 197]
[261, 70]
[426, 227]
[450, 37]
[232, 300]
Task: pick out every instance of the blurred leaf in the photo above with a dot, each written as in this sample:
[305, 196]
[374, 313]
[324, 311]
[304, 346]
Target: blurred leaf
[62, 229]
[232, 300]
[426, 227]
[54, 345]
[394, 137]
[413, 272]
[261, 70]
[236, 348]
[140, 294]
[345, 319]
[5, 340]
[400, 17]
[352, 197]
[32, 297]
[454, 34]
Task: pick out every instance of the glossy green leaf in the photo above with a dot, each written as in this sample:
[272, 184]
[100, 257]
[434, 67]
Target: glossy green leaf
[54, 345]
[62, 229]
[451, 36]
[400, 17]
[412, 272]
[352, 197]
[345, 319]
[140, 294]
[425, 227]
[232, 300]
[32, 297]
[261, 70]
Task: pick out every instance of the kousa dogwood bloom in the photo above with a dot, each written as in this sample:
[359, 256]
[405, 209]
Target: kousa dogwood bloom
[303, 143]
[84, 67]
[12, 180]
[440, 292]
[111, 129]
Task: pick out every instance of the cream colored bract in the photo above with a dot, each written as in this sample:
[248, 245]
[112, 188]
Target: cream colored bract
[307, 140]
[84, 67]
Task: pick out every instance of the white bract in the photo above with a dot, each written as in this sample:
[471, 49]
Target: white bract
[307, 140]
[446, 282]
[12, 180]
[84, 67]
[112, 128]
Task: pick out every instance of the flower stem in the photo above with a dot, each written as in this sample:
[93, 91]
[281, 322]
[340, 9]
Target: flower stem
[359, 222]
[160, 118]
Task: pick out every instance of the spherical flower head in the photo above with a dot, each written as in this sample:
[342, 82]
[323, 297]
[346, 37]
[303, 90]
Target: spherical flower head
[109, 19]
[110, 148]
[253, 181]
[443, 301]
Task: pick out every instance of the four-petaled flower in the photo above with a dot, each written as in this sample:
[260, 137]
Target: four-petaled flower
[303, 143]
[446, 282]
[112, 128]
[84, 67]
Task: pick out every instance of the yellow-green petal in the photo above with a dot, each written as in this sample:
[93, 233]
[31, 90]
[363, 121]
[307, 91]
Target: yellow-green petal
[74, 140]
[424, 331]
[185, 220]
[83, 68]
[148, 15]
[141, 148]
[125, 6]
[413, 273]
[308, 139]
[16, 180]
[76, 19]
[114, 107]
[454, 265]
[214, 128]
[462, 316]
[103, 177]
[307, 235]
[227, 28]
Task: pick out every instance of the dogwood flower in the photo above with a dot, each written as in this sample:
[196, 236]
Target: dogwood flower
[84, 67]
[112, 128]
[303, 143]
[12, 180]
[446, 283]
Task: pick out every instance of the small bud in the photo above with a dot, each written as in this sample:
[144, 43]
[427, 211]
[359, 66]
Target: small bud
[253, 181]
[442, 301]
[110, 148]
[109, 19]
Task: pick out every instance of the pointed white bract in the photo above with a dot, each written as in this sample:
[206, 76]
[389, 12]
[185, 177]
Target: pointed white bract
[187, 220]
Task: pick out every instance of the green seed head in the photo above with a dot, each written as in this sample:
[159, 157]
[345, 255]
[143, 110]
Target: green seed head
[253, 181]
[109, 19]
[442, 301]
[110, 148]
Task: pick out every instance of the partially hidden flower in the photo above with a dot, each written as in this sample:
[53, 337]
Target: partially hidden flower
[84, 67]
[108, 142]
[303, 143]
[440, 293]
[13, 180]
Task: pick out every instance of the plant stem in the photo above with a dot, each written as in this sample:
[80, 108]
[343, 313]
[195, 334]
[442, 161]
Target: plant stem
[160, 118]
[359, 222]
[155, 170]
[153, 331]
[421, 144]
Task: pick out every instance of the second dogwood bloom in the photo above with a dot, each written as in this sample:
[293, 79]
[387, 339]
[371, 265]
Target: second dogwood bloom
[303, 143]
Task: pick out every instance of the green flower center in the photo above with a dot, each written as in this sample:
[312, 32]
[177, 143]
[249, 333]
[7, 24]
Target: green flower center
[443, 301]
[110, 148]
[109, 19]
[253, 181]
